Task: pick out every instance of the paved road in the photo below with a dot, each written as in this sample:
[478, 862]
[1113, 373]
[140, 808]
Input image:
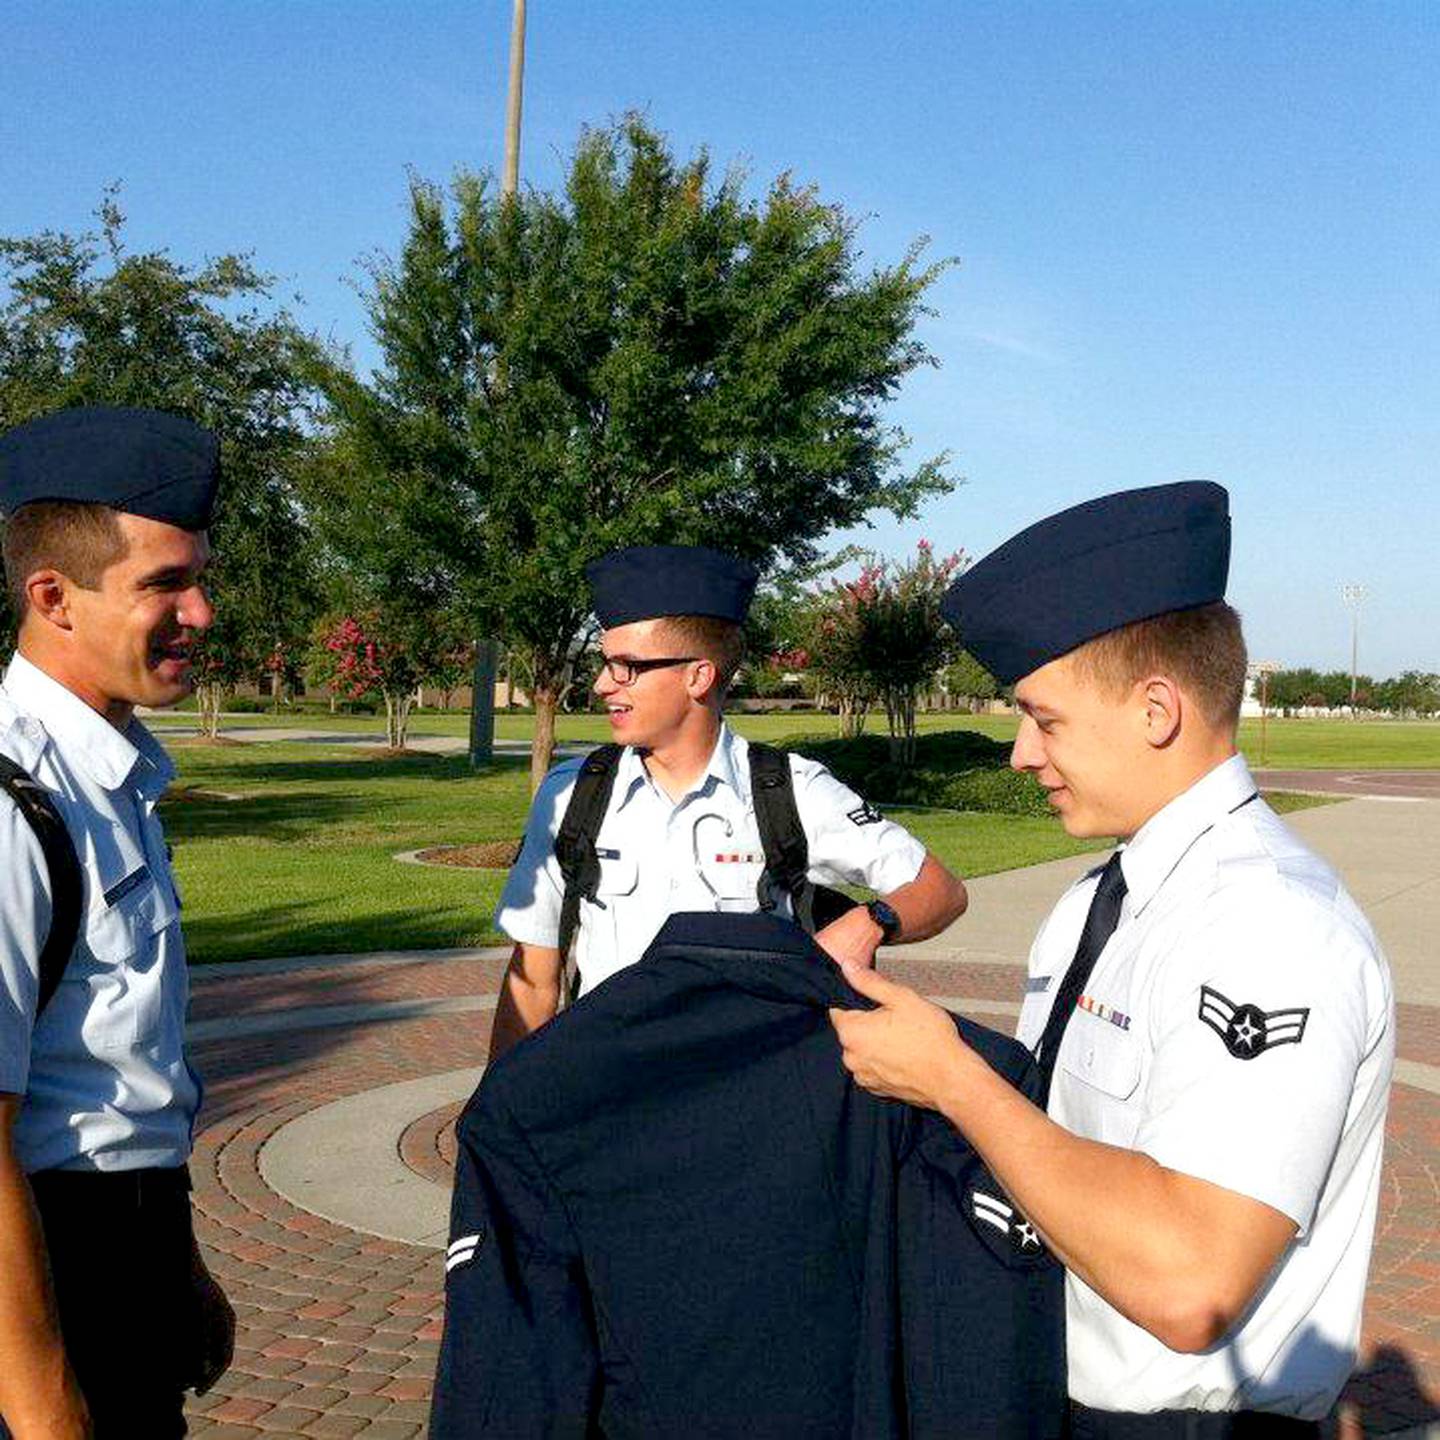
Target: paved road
[310, 735]
[325, 1149]
[1382, 784]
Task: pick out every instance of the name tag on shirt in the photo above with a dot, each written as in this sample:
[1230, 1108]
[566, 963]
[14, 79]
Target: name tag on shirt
[1037, 984]
[121, 888]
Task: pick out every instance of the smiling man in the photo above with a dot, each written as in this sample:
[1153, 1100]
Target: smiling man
[1211, 1013]
[678, 829]
[107, 1312]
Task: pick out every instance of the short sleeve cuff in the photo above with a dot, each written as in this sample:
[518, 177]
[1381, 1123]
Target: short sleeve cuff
[527, 926]
[1219, 1164]
[899, 862]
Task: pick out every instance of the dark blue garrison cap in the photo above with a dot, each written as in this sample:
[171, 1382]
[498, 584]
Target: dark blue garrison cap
[143, 462]
[1093, 568]
[648, 581]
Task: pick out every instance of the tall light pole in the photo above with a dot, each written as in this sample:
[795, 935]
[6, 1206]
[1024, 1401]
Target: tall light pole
[1353, 597]
[482, 684]
[512, 110]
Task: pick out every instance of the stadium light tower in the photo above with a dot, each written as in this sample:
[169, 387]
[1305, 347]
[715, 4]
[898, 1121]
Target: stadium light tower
[1353, 597]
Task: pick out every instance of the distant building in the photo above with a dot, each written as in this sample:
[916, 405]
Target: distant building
[1254, 671]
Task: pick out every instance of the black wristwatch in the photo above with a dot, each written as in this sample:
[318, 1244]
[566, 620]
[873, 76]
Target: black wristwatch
[885, 917]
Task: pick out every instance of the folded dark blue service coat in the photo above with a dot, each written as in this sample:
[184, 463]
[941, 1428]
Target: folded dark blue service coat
[676, 1216]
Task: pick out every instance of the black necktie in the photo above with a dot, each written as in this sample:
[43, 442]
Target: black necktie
[1100, 925]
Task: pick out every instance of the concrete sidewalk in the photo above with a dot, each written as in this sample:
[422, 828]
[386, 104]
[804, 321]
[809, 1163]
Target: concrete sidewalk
[311, 735]
[325, 1152]
[1388, 852]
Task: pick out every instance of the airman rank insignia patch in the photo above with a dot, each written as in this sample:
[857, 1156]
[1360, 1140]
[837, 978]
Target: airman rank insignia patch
[1000, 1215]
[462, 1251]
[1247, 1030]
[865, 814]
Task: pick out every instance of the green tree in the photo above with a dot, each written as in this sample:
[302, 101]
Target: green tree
[966, 677]
[1293, 689]
[83, 322]
[1412, 693]
[648, 356]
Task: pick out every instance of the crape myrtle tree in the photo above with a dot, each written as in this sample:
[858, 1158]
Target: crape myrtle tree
[779, 626]
[905, 641]
[83, 322]
[881, 636]
[649, 355]
[380, 652]
[835, 646]
[394, 623]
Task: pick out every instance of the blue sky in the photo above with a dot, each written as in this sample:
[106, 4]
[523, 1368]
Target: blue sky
[1195, 239]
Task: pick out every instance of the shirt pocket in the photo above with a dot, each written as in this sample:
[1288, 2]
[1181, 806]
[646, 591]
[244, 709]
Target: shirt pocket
[124, 974]
[734, 883]
[602, 918]
[1101, 1056]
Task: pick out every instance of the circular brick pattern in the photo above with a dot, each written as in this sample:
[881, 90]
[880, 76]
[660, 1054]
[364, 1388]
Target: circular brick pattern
[427, 1145]
[338, 1331]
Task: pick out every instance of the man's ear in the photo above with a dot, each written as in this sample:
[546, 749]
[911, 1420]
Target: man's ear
[703, 679]
[48, 593]
[1163, 708]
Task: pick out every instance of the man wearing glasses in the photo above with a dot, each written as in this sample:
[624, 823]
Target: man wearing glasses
[679, 831]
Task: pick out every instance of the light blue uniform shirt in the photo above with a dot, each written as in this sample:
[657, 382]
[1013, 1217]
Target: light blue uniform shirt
[659, 856]
[104, 1074]
[1239, 1027]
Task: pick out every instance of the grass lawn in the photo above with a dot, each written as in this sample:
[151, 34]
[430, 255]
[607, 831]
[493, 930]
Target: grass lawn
[1343, 744]
[1288, 744]
[301, 863]
[301, 860]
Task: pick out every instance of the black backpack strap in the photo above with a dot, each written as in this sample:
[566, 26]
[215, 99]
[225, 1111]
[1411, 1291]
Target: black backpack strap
[782, 837]
[575, 850]
[67, 881]
[787, 851]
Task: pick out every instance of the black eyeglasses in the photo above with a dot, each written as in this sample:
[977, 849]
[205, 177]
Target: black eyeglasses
[625, 671]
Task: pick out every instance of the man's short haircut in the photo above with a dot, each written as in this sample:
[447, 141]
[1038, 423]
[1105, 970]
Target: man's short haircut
[80, 540]
[719, 641]
[1202, 649]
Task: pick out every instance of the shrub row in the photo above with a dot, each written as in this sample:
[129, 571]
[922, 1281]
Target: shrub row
[953, 770]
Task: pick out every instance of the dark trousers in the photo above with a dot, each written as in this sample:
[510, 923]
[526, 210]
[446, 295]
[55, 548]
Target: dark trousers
[1087, 1424]
[119, 1247]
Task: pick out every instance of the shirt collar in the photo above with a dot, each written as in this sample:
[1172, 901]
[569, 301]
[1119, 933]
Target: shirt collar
[724, 764]
[85, 736]
[722, 768]
[1162, 842]
[629, 775]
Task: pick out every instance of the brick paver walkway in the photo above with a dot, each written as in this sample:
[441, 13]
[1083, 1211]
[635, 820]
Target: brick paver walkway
[338, 1330]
